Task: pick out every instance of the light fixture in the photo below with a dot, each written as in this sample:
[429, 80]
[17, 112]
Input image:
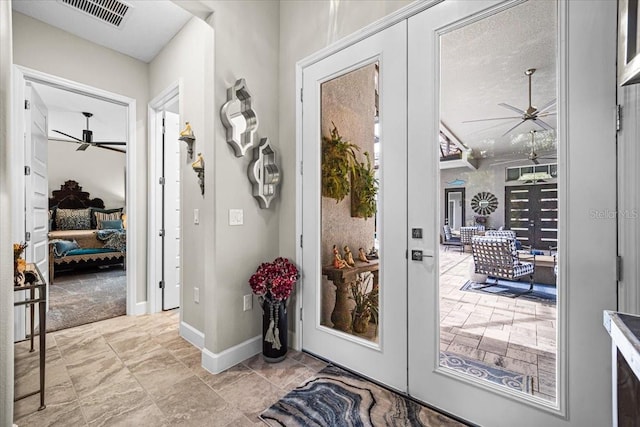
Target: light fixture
[187, 136]
[198, 167]
[534, 176]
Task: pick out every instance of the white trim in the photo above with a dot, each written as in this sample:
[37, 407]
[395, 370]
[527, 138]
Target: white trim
[218, 362]
[28, 74]
[154, 260]
[141, 308]
[192, 335]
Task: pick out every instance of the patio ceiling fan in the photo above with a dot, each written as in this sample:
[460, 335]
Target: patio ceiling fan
[532, 113]
[87, 139]
[532, 155]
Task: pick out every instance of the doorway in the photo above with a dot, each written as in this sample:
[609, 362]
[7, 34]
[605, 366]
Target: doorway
[454, 204]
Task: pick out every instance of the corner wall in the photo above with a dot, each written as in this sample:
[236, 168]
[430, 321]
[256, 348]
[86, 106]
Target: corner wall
[44, 48]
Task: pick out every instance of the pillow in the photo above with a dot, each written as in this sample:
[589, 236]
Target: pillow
[97, 212]
[73, 219]
[62, 247]
[111, 224]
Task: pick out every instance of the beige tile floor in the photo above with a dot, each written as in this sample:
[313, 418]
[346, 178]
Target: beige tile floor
[137, 371]
[512, 333]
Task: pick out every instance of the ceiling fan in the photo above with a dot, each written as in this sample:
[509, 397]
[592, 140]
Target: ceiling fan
[87, 139]
[532, 113]
[532, 155]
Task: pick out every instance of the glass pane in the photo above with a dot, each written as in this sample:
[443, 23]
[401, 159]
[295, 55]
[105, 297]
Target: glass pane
[350, 173]
[498, 310]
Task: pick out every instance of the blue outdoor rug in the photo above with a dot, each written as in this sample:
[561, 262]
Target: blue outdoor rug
[335, 397]
[507, 288]
[495, 374]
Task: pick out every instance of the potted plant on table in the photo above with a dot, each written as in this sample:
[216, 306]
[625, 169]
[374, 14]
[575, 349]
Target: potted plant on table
[273, 282]
[365, 296]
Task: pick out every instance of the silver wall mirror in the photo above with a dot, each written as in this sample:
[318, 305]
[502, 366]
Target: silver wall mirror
[239, 118]
[264, 173]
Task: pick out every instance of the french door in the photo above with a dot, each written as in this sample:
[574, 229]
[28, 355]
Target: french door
[355, 111]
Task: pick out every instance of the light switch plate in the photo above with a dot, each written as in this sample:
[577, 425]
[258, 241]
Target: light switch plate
[236, 217]
[196, 216]
[247, 302]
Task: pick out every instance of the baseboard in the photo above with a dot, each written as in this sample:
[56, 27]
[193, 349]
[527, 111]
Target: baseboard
[142, 308]
[291, 337]
[191, 334]
[218, 362]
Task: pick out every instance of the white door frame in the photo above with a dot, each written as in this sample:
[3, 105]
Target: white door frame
[155, 199]
[20, 76]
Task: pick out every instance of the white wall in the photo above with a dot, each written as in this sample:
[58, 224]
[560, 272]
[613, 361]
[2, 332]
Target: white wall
[192, 46]
[100, 172]
[42, 47]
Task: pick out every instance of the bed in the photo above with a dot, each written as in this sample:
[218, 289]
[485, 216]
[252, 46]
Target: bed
[82, 232]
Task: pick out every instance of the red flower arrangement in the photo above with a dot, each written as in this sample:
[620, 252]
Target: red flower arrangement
[274, 280]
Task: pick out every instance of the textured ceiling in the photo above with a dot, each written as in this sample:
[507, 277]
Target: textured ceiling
[483, 64]
[146, 29]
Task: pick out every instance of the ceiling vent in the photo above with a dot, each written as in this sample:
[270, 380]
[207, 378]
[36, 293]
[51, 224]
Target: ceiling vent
[110, 11]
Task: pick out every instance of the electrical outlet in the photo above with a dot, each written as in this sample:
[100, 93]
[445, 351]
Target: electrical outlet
[196, 295]
[196, 216]
[247, 302]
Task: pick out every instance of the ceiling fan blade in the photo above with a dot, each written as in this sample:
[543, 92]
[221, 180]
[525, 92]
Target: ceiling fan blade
[110, 148]
[542, 124]
[535, 161]
[109, 143]
[486, 120]
[547, 114]
[512, 108]
[67, 135]
[83, 147]
[512, 128]
[546, 106]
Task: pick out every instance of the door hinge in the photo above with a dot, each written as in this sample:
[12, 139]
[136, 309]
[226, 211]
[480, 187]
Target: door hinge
[300, 167]
[27, 104]
[27, 236]
[27, 170]
[301, 240]
[161, 284]
[300, 94]
[301, 314]
[618, 268]
[163, 126]
[161, 180]
[618, 117]
[161, 233]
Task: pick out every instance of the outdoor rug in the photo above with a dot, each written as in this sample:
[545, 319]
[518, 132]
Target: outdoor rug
[335, 397]
[507, 288]
[487, 372]
[86, 297]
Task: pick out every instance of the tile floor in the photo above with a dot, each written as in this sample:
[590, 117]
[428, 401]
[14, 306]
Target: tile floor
[512, 333]
[137, 371]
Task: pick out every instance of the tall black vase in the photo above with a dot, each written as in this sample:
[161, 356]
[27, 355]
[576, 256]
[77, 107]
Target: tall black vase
[274, 350]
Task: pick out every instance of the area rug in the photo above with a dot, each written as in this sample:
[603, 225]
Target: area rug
[487, 372]
[335, 397]
[86, 297]
[507, 288]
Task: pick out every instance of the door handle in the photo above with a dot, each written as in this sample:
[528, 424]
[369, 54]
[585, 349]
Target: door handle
[419, 255]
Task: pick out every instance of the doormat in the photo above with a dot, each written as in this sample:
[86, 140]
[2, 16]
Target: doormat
[507, 288]
[336, 397]
[495, 374]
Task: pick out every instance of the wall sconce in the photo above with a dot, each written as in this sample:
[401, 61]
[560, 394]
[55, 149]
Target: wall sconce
[187, 136]
[198, 168]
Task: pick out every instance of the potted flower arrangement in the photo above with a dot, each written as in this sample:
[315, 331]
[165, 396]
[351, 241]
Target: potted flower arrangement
[273, 282]
[19, 264]
[365, 296]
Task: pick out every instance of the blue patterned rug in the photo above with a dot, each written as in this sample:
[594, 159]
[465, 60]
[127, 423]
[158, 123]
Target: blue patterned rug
[487, 372]
[336, 397]
[507, 288]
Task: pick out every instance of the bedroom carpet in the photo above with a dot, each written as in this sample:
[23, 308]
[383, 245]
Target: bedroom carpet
[86, 296]
[335, 397]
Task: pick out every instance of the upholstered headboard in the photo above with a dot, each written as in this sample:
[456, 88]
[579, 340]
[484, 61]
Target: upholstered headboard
[71, 196]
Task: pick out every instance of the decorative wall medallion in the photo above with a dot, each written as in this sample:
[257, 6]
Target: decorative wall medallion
[264, 173]
[239, 118]
[484, 203]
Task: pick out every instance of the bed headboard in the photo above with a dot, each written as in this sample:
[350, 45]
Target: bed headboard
[71, 196]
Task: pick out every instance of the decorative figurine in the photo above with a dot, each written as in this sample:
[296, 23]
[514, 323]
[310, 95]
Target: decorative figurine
[362, 255]
[348, 256]
[187, 132]
[338, 262]
[373, 253]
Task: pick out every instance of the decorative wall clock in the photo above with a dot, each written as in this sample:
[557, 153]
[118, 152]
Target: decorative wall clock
[484, 203]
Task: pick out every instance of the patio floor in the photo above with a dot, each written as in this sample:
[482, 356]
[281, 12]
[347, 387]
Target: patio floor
[512, 333]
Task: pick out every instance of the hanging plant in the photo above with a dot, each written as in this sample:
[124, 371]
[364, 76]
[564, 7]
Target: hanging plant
[338, 159]
[364, 187]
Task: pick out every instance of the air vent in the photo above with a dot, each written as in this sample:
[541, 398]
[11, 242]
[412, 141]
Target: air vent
[109, 11]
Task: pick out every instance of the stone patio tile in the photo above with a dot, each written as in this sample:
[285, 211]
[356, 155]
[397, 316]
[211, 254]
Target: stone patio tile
[525, 356]
[465, 351]
[493, 345]
[467, 341]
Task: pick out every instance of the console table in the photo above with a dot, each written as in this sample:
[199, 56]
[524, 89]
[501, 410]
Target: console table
[342, 278]
[39, 287]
